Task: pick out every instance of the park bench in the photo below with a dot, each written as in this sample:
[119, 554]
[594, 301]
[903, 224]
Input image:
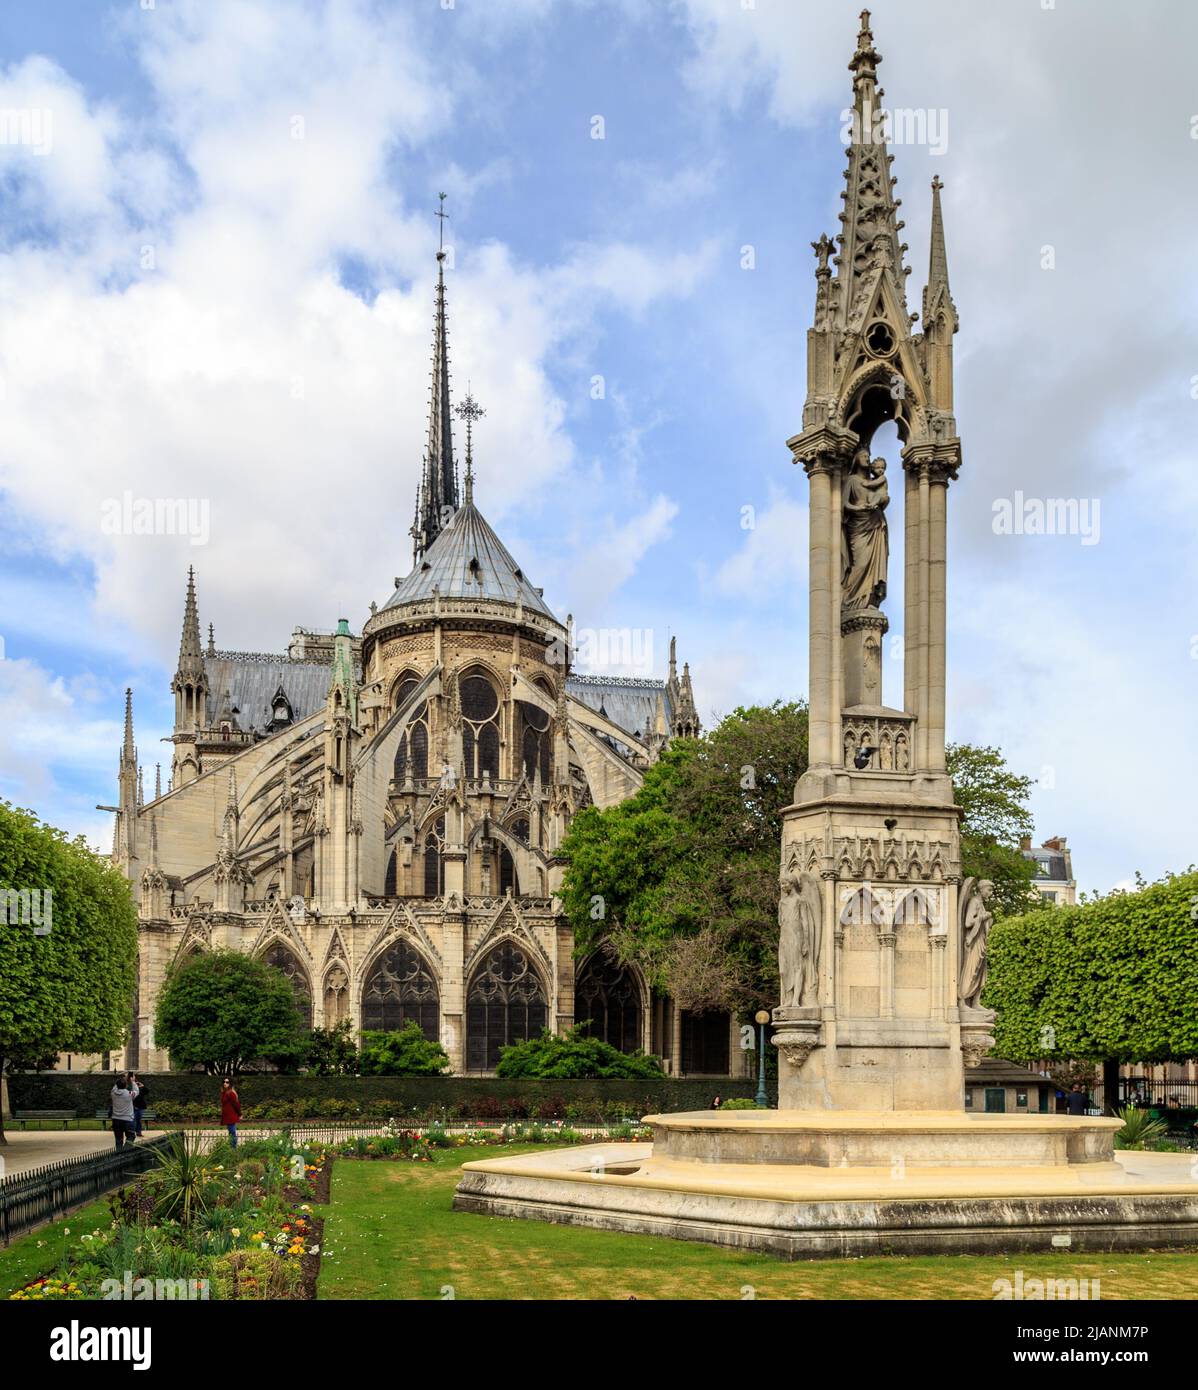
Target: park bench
[146, 1115]
[22, 1117]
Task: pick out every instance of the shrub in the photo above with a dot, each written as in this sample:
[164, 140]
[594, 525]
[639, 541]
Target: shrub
[405, 1053]
[738, 1103]
[573, 1055]
[1141, 1130]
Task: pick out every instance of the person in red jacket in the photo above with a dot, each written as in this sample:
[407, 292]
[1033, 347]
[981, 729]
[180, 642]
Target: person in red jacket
[230, 1109]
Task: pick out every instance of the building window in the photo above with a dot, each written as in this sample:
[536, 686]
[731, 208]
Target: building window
[1021, 1099]
[704, 1044]
[505, 1004]
[400, 989]
[284, 959]
[536, 743]
[608, 997]
[968, 1098]
[508, 880]
[480, 727]
[434, 867]
[411, 757]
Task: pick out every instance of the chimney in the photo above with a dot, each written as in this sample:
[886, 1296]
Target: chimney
[1025, 843]
[1056, 843]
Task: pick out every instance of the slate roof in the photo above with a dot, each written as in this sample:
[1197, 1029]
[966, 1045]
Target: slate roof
[468, 560]
[628, 701]
[1050, 866]
[252, 679]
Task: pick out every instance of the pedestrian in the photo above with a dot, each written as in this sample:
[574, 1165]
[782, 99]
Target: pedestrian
[1076, 1103]
[141, 1098]
[230, 1109]
[120, 1109]
[715, 1104]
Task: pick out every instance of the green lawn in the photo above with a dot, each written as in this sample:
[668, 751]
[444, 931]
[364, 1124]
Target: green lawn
[37, 1253]
[390, 1233]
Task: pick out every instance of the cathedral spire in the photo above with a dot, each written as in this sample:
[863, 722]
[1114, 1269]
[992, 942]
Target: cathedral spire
[128, 750]
[437, 497]
[936, 295]
[869, 238]
[191, 656]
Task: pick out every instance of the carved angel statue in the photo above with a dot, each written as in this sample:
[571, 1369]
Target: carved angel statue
[799, 928]
[865, 549]
[975, 921]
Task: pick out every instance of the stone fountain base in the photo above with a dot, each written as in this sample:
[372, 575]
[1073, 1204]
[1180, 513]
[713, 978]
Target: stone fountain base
[802, 1186]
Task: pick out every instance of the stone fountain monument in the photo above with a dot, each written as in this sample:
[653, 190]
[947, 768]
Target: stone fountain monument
[882, 942]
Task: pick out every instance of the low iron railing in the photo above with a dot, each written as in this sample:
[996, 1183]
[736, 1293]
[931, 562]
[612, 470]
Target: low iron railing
[42, 1194]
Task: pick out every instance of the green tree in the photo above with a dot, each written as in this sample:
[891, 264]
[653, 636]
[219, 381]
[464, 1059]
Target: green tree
[1112, 980]
[222, 1010]
[683, 877]
[572, 1055]
[333, 1051]
[406, 1052]
[68, 988]
[993, 800]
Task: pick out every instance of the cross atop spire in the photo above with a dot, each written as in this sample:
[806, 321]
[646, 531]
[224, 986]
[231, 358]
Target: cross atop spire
[437, 496]
[469, 410]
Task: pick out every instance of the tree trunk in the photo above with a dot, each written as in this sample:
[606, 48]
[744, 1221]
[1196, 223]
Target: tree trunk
[3, 1100]
[1110, 1084]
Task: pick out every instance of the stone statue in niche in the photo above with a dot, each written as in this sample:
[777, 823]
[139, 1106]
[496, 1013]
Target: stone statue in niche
[976, 920]
[800, 918]
[865, 548]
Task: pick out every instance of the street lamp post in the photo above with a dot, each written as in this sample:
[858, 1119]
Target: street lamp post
[762, 1018]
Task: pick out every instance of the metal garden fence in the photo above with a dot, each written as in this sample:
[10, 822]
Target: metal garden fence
[42, 1194]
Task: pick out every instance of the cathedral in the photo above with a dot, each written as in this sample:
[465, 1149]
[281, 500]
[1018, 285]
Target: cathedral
[379, 814]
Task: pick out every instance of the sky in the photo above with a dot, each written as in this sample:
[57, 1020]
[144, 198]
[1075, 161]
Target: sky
[217, 241]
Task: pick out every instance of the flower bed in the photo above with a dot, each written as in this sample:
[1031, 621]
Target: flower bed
[229, 1224]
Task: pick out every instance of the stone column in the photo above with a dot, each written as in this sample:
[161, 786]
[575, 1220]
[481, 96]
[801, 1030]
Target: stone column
[933, 722]
[912, 637]
[835, 548]
[675, 1037]
[453, 989]
[821, 666]
[921, 728]
[886, 941]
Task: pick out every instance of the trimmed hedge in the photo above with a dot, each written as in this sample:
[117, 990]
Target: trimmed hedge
[190, 1095]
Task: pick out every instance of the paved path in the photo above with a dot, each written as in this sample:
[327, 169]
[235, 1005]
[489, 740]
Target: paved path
[34, 1148]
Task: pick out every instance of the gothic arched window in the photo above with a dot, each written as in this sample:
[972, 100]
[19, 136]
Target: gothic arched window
[284, 958]
[389, 888]
[536, 742]
[434, 870]
[480, 726]
[508, 881]
[401, 989]
[411, 757]
[504, 1004]
[608, 997]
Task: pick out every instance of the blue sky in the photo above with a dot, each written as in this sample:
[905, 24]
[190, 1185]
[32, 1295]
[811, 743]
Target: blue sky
[197, 302]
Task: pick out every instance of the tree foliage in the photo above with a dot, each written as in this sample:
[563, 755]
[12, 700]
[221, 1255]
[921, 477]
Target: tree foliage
[573, 1055]
[333, 1051]
[405, 1052]
[683, 877]
[71, 989]
[995, 818]
[223, 1010]
[1115, 978]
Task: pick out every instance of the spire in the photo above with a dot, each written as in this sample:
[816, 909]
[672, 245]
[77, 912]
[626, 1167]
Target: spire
[936, 295]
[869, 236]
[342, 681]
[191, 657]
[211, 641]
[469, 410]
[673, 661]
[229, 829]
[141, 787]
[157, 781]
[128, 751]
[437, 497]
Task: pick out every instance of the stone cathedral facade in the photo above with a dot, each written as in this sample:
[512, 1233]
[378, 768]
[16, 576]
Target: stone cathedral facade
[379, 813]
